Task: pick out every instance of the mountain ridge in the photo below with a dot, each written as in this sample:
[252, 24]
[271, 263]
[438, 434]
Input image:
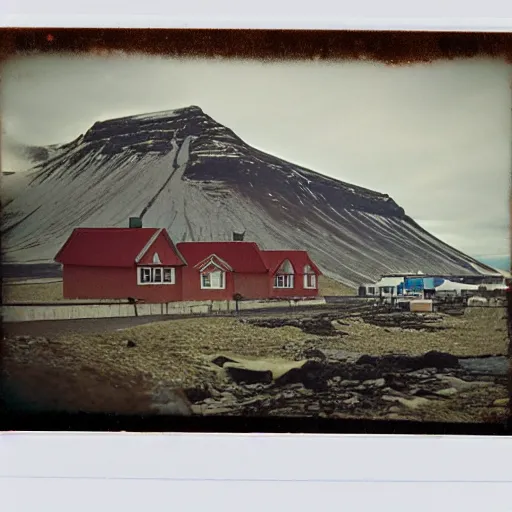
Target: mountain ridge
[181, 170]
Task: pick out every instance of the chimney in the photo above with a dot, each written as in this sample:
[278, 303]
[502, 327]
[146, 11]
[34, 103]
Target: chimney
[135, 222]
[238, 237]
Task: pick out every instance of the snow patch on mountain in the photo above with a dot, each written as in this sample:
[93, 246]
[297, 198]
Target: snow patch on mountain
[182, 171]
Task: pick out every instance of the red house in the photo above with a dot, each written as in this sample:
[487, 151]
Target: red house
[292, 273]
[144, 264]
[117, 263]
[218, 270]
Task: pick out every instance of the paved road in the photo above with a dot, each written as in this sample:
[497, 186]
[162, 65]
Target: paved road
[97, 325]
[82, 325]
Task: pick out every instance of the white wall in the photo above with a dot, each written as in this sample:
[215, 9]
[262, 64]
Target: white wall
[13, 313]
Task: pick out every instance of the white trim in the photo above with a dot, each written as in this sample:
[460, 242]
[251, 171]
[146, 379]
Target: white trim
[212, 263]
[288, 281]
[149, 243]
[313, 279]
[222, 279]
[152, 272]
[209, 260]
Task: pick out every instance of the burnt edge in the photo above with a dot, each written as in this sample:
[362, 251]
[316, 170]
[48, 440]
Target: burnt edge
[392, 47]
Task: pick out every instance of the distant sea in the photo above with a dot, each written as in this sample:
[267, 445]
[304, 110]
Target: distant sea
[500, 262]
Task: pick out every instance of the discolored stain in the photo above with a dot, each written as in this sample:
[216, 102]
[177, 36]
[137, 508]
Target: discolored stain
[394, 48]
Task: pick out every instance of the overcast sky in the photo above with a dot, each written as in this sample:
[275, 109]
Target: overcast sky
[436, 138]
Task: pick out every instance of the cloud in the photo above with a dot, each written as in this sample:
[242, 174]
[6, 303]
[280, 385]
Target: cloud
[435, 137]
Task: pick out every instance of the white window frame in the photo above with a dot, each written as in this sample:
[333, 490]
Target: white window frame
[283, 281]
[222, 280]
[156, 275]
[312, 276]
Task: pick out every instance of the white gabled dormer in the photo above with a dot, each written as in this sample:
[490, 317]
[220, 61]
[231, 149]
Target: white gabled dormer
[284, 277]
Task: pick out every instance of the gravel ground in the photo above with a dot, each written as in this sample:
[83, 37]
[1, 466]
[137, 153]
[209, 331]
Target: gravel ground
[181, 350]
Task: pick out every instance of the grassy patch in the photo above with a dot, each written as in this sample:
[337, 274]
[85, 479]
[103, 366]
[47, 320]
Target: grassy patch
[33, 292]
[331, 288]
[480, 331]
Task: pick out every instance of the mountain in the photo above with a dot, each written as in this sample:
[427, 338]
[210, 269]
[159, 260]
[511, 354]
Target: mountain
[183, 171]
[18, 157]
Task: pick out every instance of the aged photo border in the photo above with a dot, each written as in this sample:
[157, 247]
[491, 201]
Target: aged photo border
[393, 48]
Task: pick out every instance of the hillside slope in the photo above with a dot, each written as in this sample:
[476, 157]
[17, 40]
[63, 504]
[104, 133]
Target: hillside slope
[182, 171]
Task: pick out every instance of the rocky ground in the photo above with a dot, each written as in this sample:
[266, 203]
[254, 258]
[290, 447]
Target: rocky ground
[353, 361]
[435, 386]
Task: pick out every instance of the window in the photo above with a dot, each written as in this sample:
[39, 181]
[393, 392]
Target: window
[156, 275]
[213, 280]
[284, 276]
[309, 277]
[283, 281]
[168, 275]
[145, 275]
[309, 281]
[371, 290]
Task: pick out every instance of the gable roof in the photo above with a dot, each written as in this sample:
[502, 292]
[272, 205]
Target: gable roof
[299, 259]
[215, 261]
[244, 257]
[110, 247]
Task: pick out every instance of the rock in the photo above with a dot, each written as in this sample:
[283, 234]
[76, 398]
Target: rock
[352, 401]
[446, 392]
[214, 411]
[413, 403]
[313, 353]
[501, 402]
[461, 385]
[255, 387]
[377, 383]
[298, 386]
[250, 376]
[435, 359]
[226, 396]
[200, 393]
[393, 362]
[171, 401]
[389, 398]
[394, 408]
[222, 360]
[349, 383]
[130, 344]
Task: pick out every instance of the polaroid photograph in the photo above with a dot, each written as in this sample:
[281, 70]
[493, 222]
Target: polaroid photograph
[256, 224]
